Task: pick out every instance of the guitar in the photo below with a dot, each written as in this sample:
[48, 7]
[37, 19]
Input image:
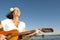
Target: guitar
[13, 34]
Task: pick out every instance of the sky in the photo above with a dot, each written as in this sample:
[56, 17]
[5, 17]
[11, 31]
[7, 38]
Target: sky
[35, 13]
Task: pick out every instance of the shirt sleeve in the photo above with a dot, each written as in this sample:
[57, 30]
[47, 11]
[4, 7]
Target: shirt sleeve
[3, 24]
[21, 27]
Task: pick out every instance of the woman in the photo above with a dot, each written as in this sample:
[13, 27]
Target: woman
[12, 22]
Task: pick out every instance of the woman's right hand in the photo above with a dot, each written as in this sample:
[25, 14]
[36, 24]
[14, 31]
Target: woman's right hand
[2, 37]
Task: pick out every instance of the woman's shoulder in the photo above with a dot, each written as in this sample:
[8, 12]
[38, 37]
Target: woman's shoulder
[22, 22]
[6, 20]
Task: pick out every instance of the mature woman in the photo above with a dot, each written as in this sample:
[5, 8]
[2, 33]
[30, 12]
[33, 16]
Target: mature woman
[13, 22]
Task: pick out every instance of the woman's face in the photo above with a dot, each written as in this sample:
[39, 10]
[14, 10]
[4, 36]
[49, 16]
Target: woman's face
[16, 12]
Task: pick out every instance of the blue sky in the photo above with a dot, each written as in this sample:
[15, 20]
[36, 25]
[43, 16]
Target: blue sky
[35, 13]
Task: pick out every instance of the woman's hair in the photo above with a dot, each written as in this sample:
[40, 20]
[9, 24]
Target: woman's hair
[10, 15]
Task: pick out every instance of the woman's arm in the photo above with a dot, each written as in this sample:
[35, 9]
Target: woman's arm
[1, 28]
[2, 37]
[34, 33]
[24, 29]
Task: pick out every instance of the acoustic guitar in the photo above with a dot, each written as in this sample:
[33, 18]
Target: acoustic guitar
[13, 34]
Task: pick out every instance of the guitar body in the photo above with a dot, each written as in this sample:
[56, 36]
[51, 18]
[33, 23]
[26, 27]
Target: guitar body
[10, 32]
[13, 38]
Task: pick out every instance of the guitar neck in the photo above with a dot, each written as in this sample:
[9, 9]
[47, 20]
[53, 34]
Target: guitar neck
[45, 30]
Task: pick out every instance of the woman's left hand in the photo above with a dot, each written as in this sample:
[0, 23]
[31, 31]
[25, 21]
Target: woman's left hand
[37, 31]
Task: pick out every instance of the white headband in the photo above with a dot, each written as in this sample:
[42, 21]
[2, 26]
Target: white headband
[11, 9]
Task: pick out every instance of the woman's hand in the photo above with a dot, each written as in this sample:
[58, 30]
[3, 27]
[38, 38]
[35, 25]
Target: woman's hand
[37, 31]
[2, 37]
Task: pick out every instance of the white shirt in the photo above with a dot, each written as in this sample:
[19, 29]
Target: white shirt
[9, 25]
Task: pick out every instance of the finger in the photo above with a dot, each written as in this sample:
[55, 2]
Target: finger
[4, 39]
